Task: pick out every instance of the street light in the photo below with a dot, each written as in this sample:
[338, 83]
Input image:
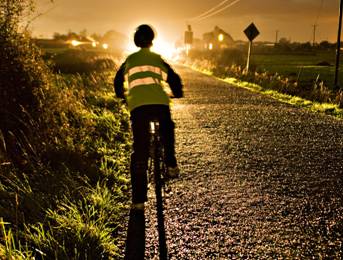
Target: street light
[221, 37]
[210, 46]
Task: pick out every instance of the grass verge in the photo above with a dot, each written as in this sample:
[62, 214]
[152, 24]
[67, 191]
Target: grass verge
[69, 204]
[327, 108]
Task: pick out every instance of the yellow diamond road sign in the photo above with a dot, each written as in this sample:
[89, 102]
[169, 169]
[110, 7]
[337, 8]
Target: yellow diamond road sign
[251, 32]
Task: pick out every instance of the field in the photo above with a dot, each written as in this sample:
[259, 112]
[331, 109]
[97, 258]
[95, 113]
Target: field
[306, 74]
[304, 68]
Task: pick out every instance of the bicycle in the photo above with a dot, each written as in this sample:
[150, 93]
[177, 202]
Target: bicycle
[157, 170]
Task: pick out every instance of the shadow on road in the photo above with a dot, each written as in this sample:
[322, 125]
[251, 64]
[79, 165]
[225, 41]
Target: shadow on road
[135, 241]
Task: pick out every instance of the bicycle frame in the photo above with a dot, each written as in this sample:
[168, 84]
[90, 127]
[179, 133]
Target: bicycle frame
[157, 162]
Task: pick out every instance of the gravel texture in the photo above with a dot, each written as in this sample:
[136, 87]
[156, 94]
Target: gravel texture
[259, 179]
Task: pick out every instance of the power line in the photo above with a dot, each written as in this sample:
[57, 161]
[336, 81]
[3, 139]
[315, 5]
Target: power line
[211, 12]
[220, 10]
[319, 11]
[315, 25]
[208, 11]
[276, 36]
[314, 34]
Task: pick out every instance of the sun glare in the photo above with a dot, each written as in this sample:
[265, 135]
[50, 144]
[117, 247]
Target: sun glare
[160, 46]
[164, 48]
[75, 43]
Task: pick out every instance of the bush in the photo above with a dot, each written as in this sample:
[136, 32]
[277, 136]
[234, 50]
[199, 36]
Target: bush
[90, 149]
[229, 57]
[80, 61]
[220, 58]
[339, 98]
[58, 140]
[24, 82]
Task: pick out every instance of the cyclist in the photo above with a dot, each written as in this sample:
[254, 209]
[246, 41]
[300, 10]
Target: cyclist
[144, 71]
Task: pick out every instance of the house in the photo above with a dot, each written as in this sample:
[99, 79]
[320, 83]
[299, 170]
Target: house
[218, 39]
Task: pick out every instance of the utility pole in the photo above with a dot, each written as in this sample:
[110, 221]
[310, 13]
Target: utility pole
[338, 44]
[276, 36]
[188, 38]
[314, 34]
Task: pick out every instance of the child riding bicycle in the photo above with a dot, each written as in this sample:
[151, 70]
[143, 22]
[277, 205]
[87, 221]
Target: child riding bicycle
[144, 72]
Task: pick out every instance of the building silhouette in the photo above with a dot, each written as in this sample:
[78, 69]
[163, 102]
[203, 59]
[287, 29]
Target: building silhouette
[218, 39]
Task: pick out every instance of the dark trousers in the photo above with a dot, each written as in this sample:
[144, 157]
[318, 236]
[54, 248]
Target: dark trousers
[140, 118]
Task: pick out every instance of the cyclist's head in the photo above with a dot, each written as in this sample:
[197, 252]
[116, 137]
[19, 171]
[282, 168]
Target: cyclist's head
[144, 36]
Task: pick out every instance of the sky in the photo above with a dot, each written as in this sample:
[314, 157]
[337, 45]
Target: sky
[294, 19]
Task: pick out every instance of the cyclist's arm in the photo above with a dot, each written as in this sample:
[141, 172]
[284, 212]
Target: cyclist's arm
[174, 81]
[119, 82]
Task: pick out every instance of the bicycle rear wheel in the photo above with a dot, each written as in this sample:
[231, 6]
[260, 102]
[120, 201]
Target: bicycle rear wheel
[158, 170]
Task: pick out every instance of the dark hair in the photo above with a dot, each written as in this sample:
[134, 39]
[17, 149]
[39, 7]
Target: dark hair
[144, 36]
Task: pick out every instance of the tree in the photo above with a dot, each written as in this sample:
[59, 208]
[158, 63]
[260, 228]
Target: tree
[115, 39]
[83, 33]
[307, 46]
[96, 37]
[327, 45]
[11, 11]
[283, 45]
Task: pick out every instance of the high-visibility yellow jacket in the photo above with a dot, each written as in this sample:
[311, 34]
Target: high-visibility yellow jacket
[144, 72]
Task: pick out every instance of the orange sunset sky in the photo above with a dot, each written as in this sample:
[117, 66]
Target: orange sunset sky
[294, 19]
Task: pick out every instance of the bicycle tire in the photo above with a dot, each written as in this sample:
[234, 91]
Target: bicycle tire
[158, 161]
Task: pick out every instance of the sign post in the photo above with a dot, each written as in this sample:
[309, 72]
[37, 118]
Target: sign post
[251, 32]
[188, 39]
[336, 85]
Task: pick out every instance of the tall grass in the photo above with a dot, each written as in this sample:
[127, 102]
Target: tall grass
[71, 201]
[9, 249]
[80, 229]
[64, 151]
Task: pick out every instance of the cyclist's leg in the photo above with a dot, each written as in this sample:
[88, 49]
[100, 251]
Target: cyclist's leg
[168, 135]
[138, 179]
[139, 157]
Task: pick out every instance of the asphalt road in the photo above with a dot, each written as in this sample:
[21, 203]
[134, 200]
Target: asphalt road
[260, 179]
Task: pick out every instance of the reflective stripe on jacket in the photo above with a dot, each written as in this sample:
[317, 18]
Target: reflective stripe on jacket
[144, 71]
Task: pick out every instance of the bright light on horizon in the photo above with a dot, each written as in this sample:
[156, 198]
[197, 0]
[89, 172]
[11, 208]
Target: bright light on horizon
[160, 46]
[166, 49]
[75, 43]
